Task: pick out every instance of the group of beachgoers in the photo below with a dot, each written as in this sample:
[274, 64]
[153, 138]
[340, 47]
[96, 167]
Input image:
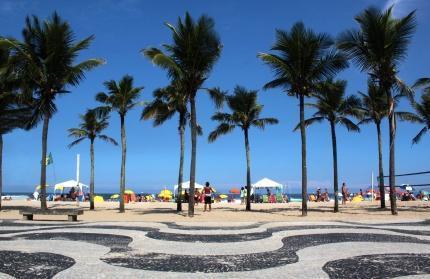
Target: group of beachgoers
[205, 196]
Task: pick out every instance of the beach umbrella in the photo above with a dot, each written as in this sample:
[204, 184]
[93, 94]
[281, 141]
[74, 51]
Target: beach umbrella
[165, 194]
[234, 191]
[98, 199]
[114, 196]
[223, 196]
[128, 192]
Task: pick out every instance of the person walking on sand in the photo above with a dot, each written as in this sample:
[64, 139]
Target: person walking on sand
[344, 193]
[207, 192]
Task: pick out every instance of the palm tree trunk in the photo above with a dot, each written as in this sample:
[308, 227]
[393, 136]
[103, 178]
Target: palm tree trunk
[181, 161]
[392, 170]
[43, 162]
[381, 167]
[193, 156]
[335, 178]
[248, 172]
[304, 170]
[1, 168]
[92, 176]
[123, 158]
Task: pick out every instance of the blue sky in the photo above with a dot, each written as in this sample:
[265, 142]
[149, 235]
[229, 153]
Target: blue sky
[123, 27]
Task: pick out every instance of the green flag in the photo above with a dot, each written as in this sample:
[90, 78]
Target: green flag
[49, 159]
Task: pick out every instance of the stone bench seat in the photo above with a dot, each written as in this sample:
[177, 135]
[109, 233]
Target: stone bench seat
[72, 213]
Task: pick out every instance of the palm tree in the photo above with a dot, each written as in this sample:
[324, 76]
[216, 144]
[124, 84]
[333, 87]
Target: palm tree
[334, 107]
[245, 114]
[423, 112]
[301, 60]
[189, 60]
[45, 65]
[91, 127]
[12, 113]
[374, 109]
[377, 48]
[121, 97]
[167, 102]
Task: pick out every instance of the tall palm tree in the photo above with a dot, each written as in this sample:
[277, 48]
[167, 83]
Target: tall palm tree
[333, 106]
[377, 48]
[12, 113]
[45, 64]
[423, 112]
[121, 97]
[245, 114]
[302, 59]
[374, 108]
[167, 102]
[189, 60]
[90, 128]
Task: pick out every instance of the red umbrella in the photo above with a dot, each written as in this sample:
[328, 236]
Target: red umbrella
[234, 191]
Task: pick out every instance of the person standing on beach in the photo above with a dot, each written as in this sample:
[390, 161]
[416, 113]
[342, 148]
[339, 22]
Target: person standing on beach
[344, 193]
[207, 192]
[242, 195]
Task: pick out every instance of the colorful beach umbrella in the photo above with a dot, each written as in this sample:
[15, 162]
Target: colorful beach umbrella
[222, 196]
[114, 196]
[98, 199]
[234, 190]
[128, 192]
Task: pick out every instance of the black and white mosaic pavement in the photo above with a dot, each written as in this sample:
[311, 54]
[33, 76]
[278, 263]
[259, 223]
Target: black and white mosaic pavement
[228, 250]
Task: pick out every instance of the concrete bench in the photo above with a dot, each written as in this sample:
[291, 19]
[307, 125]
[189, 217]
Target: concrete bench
[72, 213]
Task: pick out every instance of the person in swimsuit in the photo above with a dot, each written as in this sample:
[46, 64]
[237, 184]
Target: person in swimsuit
[207, 192]
[344, 193]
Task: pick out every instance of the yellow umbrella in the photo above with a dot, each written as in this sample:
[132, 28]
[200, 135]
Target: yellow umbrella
[128, 192]
[59, 187]
[223, 196]
[98, 199]
[165, 194]
[114, 196]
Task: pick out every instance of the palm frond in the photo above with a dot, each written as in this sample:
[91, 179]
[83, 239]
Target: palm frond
[418, 137]
[222, 129]
[107, 139]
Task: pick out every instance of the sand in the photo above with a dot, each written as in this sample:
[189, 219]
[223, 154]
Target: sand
[223, 212]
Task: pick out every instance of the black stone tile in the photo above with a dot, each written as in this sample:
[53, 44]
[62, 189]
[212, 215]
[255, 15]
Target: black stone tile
[379, 266]
[246, 262]
[33, 265]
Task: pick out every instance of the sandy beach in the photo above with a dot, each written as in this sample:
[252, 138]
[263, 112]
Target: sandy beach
[225, 212]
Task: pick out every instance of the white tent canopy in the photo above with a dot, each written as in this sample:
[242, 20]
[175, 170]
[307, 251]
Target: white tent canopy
[69, 184]
[186, 185]
[267, 183]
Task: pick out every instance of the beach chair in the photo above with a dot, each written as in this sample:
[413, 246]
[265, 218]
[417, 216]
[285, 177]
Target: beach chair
[265, 199]
[279, 198]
